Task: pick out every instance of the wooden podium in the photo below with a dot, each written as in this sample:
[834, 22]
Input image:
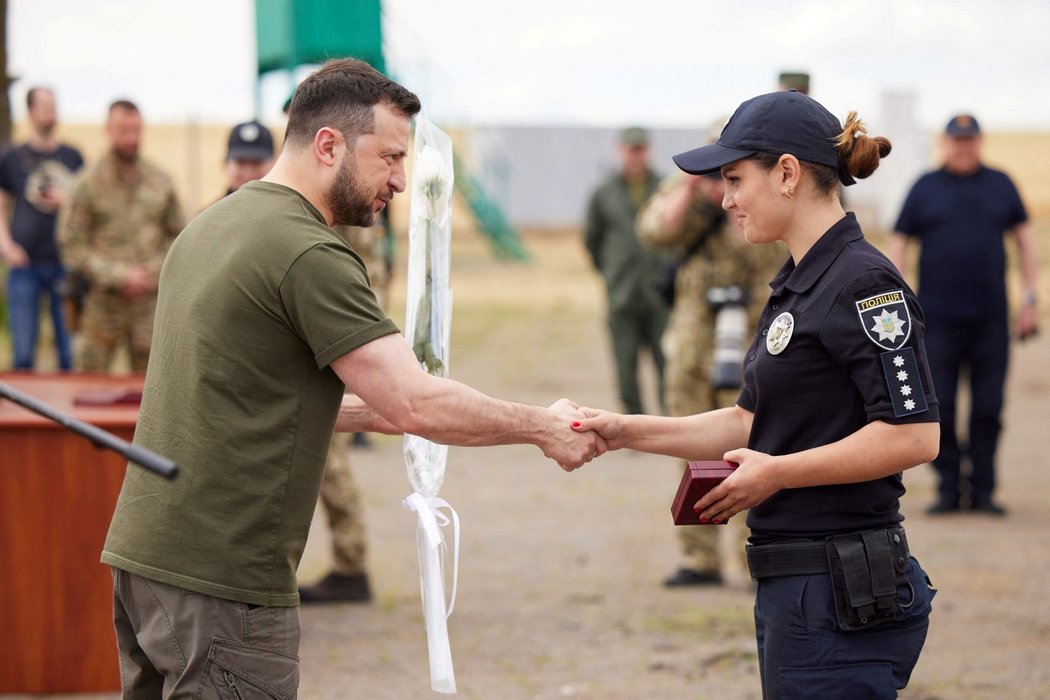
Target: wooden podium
[57, 493]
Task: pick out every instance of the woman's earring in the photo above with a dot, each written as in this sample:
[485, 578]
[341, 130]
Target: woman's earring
[790, 192]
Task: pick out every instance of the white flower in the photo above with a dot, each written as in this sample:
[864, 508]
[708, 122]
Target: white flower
[432, 177]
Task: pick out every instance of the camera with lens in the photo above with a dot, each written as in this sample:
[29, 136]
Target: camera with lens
[729, 305]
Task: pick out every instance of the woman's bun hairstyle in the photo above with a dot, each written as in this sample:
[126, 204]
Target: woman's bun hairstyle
[859, 153]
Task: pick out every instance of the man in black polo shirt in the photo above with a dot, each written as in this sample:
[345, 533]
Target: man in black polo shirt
[960, 214]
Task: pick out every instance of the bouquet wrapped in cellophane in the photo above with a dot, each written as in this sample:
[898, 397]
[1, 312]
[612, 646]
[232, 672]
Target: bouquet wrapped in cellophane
[428, 315]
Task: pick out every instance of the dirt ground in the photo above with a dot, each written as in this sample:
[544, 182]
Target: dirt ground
[559, 590]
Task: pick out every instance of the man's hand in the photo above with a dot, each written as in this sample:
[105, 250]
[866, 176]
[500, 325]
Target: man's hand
[138, 283]
[566, 445]
[13, 254]
[1027, 322]
[750, 483]
[52, 198]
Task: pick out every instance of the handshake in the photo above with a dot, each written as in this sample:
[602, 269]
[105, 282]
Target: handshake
[579, 434]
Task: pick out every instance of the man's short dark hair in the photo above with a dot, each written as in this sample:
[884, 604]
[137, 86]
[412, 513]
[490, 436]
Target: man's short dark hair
[31, 94]
[341, 95]
[125, 105]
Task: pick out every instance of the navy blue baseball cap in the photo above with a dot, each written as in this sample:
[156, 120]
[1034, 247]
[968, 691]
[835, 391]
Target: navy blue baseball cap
[963, 126]
[250, 141]
[778, 122]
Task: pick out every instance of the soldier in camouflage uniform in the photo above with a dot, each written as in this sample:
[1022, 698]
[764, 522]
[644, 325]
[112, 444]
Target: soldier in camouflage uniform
[685, 215]
[117, 228]
[340, 497]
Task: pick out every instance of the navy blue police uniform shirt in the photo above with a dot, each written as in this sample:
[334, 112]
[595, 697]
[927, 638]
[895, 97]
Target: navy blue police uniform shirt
[839, 345]
[961, 220]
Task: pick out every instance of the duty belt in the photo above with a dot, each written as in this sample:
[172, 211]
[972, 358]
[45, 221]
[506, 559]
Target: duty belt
[806, 557]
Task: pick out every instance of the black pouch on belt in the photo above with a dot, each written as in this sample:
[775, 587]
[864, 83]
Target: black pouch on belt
[865, 568]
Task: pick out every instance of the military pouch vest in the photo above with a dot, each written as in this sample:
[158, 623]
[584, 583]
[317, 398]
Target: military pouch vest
[866, 568]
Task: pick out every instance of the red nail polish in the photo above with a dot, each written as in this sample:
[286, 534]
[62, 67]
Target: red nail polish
[575, 424]
[703, 521]
[714, 521]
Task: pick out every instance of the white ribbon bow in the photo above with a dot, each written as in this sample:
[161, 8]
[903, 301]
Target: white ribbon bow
[431, 519]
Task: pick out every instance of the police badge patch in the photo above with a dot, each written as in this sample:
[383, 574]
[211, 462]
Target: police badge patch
[779, 334]
[885, 319]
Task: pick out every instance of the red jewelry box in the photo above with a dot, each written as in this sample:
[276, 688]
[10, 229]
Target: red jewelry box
[697, 479]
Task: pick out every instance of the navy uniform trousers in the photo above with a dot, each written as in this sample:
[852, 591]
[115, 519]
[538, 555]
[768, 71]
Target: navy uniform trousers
[803, 654]
[980, 348]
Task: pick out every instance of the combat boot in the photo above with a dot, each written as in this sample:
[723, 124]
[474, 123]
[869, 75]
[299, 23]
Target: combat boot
[338, 588]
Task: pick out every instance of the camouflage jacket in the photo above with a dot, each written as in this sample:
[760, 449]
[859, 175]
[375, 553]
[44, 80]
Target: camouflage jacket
[113, 223]
[722, 259]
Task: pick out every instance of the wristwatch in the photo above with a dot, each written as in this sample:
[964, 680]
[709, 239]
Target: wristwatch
[1029, 297]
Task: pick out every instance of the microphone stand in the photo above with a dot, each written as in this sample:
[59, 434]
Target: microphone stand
[100, 438]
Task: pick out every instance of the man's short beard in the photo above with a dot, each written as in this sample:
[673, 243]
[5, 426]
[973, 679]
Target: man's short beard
[125, 156]
[350, 205]
[46, 129]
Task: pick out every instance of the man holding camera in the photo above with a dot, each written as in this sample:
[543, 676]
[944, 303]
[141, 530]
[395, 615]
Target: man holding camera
[717, 290]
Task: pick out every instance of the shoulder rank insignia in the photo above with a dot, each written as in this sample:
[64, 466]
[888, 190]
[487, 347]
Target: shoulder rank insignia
[885, 319]
[903, 382]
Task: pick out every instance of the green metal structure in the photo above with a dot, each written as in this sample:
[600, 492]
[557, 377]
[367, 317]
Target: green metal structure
[487, 213]
[293, 33]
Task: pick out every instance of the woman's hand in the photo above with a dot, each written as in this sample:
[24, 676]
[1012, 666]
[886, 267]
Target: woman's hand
[753, 481]
[610, 426]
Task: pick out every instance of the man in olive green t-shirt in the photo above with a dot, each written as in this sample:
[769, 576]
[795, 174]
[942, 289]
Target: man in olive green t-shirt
[265, 317]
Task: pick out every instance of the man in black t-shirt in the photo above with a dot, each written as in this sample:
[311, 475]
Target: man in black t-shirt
[34, 181]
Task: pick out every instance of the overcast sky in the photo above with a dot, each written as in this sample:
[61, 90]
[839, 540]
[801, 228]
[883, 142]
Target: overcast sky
[587, 62]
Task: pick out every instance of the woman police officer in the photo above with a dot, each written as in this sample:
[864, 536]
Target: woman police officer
[837, 401]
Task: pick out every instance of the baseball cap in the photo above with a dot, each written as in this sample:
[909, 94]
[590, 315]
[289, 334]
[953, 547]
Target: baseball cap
[777, 122]
[634, 136]
[962, 126]
[249, 140]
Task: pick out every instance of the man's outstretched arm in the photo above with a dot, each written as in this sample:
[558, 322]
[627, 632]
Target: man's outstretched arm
[386, 376]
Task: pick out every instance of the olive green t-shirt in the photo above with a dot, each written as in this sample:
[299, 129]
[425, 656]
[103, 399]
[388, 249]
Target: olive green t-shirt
[257, 297]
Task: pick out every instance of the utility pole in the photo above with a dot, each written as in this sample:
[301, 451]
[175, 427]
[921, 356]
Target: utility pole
[5, 82]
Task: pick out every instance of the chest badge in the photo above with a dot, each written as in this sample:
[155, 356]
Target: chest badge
[885, 319]
[779, 334]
